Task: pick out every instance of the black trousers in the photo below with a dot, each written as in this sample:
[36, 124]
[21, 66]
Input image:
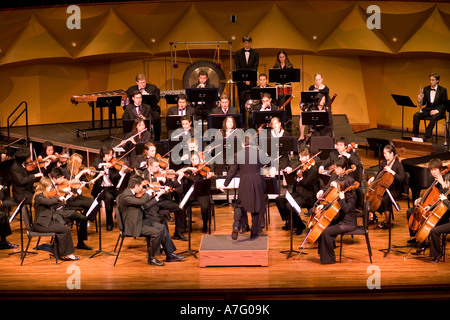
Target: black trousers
[63, 239]
[435, 238]
[171, 206]
[256, 221]
[425, 114]
[326, 241]
[284, 208]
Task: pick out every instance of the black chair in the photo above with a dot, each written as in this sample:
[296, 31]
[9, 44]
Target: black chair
[405, 191]
[360, 231]
[33, 234]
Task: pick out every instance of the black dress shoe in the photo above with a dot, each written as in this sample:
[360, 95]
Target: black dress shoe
[109, 227]
[419, 251]
[173, 257]
[436, 259]
[235, 234]
[179, 236]
[8, 245]
[83, 246]
[155, 262]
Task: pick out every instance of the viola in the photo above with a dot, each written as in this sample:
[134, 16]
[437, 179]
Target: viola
[326, 215]
[379, 185]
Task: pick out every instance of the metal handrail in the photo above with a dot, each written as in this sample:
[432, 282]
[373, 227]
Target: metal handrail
[17, 118]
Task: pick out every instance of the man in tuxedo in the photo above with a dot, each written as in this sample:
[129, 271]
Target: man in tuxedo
[182, 109]
[203, 80]
[155, 110]
[224, 107]
[266, 103]
[136, 224]
[137, 109]
[433, 98]
[246, 58]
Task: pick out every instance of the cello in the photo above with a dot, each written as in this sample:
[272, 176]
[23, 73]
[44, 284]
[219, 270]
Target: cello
[433, 216]
[326, 215]
[430, 197]
[379, 185]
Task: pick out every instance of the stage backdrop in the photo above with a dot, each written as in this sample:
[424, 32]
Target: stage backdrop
[44, 62]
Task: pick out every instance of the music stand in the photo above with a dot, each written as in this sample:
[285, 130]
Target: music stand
[376, 145]
[171, 98]
[243, 75]
[294, 205]
[315, 118]
[200, 188]
[284, 75]
[256, 92]
[261, 117]
[174, 122]
[271, 188]
[111, 103]
[204, 98]
[94, 204]
[215, 121]
[149, 99]
[403, 101]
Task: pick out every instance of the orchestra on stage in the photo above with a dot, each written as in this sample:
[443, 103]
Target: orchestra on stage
[151, 183]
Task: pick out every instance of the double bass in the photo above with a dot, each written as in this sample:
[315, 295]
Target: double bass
[420, 211]
[323, 218]
[379, 185]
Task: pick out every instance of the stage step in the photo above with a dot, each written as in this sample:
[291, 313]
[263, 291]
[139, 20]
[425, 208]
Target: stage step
[221, 250]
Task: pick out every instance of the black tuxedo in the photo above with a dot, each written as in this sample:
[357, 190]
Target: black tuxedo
[424, 114]
[231, 110]
[240, 62]
[131, 112]
[173, 111]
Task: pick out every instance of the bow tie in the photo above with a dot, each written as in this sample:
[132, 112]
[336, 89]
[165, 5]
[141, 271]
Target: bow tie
[433, 89]
[247, 50]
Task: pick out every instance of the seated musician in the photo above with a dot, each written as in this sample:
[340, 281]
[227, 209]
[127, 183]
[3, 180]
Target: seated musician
[262, 81]
[138, 135]
[345, 222]
[228, 131]
[186, 131]
[203, 80]
[281, 159]
[137, 109]
[140, 162]
[266, 103]
[73, 200]
[161, 212]
[303, 191]
[24, 174]
[183, 107]
[321, 129]
[197, 170]
[435, 167]
[132, 202]
[394, 167]
[342, 150]
[224, 106]
[109, 180]
[48, 156]
[155, 111]
[5, 228]
[46, 221]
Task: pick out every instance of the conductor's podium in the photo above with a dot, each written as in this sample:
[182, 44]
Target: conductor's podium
[221, 250]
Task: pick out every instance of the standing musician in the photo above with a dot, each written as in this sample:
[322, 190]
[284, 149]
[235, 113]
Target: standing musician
[246, 58]
[391, 165]
[320, 129]
[303, 191]
[109, 179]
[47, 219]
[148, 89]
[282, 62]
[433, 98]
[161, 212]
[344, 222]
[251, 197]
[24, 173]
[131, 204]
[73, 200]
[197, 170]
[342, 150]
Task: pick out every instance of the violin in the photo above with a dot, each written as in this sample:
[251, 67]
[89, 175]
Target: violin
[333, 166]
[379, 185]
[33, 164]
[118, 164]
[305, 166]
[203, 169]
[326, 215]
[430, 197]
[163, 162]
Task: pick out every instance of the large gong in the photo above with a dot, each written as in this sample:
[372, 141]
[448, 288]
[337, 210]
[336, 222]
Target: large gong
[215, 74]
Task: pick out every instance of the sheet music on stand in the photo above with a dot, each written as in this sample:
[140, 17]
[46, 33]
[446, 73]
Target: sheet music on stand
[186, 197]
[19, 207]
[293, 203]
[234, 183]
[94, 204]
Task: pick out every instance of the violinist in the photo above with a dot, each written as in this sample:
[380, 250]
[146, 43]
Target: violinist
[197, 170]
[48, 156]
[138, 135]
[24, 174]
[110, 179]
[73, 200]
[133, 203]
[435, 167]
[344, 222]
[154, 175]
[303, 191]
[394, 167]
[48, 219]
[228, 132]
[140, 162]
[342, 150]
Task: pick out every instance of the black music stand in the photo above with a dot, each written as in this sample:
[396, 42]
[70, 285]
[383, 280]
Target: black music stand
[111, 103]
[309, 97]
[284, 76]
[261, 117]
[315, 118]
[243, 75]
[256, 92]
[204, 98]
[294, 205]
[200, 188]
[390, 246]
[95, 204]
[403, 101]
[149, 99]
[215, 121]
[377, 145]
[171, 98]
[271, 188]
